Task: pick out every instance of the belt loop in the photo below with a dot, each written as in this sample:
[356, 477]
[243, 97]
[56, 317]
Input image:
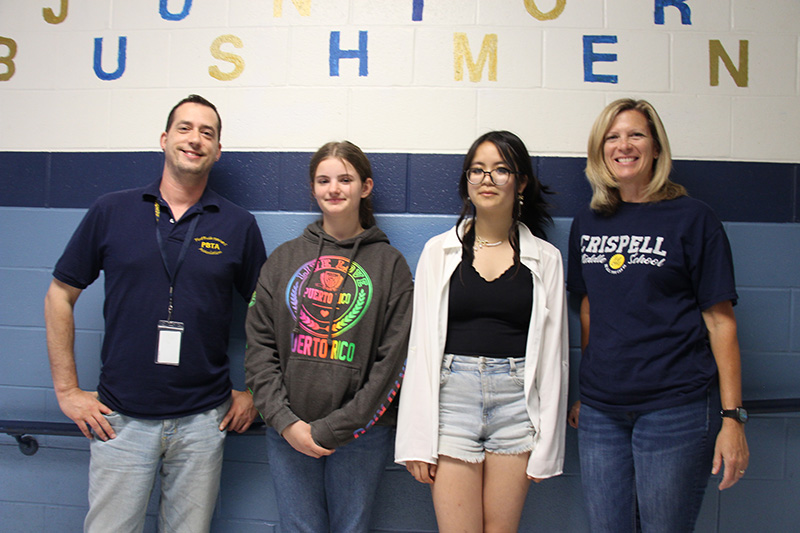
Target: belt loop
[513, 370]
[448, 361]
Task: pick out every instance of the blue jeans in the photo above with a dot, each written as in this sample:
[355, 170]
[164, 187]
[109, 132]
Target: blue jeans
[122, 472]
[333, 493]
[648, 470]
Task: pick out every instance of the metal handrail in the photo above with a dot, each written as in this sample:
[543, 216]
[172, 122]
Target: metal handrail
[23, 431]
[782, 405]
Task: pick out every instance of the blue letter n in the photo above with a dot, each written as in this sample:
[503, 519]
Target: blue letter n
[686, 11]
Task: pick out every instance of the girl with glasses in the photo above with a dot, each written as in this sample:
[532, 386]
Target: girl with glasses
[483, 408]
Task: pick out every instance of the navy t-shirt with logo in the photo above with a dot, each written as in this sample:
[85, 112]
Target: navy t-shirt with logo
[118, 237]
[649, 271]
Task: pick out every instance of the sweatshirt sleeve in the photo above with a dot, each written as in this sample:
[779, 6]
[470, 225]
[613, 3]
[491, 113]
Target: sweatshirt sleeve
[383, 381]
[263, 374]
[552, 377]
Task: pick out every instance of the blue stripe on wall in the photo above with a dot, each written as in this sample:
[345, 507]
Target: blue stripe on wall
[405, 183]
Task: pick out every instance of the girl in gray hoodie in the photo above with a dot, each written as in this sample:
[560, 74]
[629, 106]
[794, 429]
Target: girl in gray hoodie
[327, 335]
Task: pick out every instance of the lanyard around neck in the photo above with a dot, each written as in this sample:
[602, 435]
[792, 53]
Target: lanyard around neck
[186, 241]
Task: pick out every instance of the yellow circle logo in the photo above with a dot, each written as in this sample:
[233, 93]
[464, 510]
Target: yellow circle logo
[616, 262]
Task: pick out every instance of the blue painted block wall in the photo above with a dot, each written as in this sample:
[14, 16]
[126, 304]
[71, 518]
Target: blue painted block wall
[44, 195]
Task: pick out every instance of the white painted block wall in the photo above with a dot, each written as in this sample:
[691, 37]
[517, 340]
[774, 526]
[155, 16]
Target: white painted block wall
[286, 99]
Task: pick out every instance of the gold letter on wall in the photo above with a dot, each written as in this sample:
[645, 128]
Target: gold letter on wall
[716, 53]
[51, 17]
[303, 7]
[530, 6]
[7, 60]
[462, 55]
[238, 61]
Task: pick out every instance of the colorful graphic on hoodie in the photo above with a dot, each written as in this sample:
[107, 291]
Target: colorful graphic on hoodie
[327, 305]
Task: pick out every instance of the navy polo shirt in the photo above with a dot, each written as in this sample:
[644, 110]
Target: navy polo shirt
[118, 236]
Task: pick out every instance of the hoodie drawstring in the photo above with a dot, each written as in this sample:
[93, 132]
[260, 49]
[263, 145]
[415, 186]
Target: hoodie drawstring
[303, 285]
[339, 290]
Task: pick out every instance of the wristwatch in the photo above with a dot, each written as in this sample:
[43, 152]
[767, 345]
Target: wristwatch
[739, 414]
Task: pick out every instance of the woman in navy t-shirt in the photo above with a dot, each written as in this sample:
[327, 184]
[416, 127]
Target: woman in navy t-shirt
[660, 376]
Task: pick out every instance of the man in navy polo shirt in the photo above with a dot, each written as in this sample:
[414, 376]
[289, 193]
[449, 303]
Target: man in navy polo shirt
[171, 253]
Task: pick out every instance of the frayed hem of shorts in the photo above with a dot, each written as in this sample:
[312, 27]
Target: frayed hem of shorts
[520, 451]
[470, 460]
[482, 458]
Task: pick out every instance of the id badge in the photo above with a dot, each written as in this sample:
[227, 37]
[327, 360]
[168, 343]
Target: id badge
[169, 342]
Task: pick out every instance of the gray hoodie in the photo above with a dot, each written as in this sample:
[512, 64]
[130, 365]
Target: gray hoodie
[327, 334]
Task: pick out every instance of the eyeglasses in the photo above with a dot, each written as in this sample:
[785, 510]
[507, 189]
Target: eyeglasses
[499, 176]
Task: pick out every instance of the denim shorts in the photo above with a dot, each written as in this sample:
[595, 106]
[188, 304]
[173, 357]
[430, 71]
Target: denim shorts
[482, 408]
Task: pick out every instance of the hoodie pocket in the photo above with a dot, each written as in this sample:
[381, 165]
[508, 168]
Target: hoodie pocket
[316, 387]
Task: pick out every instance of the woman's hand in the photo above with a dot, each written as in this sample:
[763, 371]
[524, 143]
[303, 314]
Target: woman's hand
[298, 435]
[422, 471]
[731, 447]
[731, 450]
[573, 414]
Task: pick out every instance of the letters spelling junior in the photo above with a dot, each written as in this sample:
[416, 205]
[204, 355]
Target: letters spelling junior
[462, 50]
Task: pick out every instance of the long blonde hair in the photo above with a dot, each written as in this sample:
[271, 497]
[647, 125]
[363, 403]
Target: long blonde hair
[605, 189]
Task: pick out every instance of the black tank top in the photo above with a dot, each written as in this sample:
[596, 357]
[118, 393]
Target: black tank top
[489, 318]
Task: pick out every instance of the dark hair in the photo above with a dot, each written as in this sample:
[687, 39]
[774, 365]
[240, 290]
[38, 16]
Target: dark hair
[195, 99]
[533, 212]
[347, 151]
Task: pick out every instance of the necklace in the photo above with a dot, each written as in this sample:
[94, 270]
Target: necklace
[480, 243]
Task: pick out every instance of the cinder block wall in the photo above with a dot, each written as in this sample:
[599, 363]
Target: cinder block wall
[70, 131]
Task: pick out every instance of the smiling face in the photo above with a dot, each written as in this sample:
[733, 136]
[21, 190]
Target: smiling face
[488, 198]
[338, 189]
[629, 150]
[191, 146]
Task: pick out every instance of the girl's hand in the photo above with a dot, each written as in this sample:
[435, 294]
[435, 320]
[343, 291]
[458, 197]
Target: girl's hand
[298, 435]
[422, 472]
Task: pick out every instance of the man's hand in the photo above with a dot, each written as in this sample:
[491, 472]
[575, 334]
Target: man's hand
[83, 408]
[241, 413]
[298, 435]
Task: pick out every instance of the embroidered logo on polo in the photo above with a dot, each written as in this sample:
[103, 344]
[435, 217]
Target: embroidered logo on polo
[316, 308]
[617, 252]
[210, 245]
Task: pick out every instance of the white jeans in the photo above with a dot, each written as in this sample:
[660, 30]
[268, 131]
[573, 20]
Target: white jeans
[122, 473]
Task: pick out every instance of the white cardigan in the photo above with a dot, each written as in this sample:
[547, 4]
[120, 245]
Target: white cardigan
[546, 354]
